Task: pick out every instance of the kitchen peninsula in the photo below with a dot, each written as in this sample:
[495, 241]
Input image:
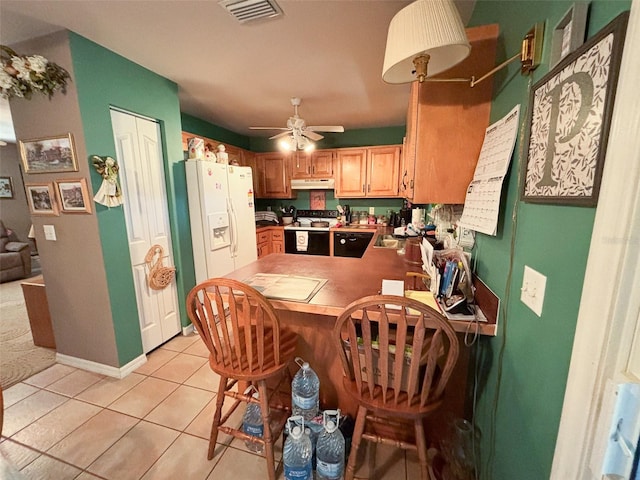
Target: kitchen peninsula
[347, 279]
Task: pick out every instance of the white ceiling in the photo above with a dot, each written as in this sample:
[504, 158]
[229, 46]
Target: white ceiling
[329, 53]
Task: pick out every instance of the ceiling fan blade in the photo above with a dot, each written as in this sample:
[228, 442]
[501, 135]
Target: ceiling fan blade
[280, 135]
[327, 128]
[312, 135]
[268, 128]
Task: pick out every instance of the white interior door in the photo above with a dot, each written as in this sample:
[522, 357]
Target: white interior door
[139, 155]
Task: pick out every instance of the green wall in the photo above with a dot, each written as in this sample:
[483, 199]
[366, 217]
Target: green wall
[200, 127]
[522, 372]
[104, 79]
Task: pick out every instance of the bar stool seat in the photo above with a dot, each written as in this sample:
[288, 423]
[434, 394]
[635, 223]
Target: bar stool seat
[246, 344]
[397, 355]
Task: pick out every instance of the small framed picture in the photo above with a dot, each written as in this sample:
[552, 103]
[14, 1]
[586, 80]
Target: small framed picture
[49, 154]
[74, 196]
[41, 198]
[569, 32]
[6, 187]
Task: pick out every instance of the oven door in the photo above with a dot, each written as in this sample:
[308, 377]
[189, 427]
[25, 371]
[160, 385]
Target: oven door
[317, 242]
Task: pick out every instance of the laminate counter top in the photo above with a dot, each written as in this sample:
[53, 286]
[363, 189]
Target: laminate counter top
[348, 279]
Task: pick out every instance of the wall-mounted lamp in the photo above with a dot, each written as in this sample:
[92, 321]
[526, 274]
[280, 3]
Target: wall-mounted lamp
[427, 37]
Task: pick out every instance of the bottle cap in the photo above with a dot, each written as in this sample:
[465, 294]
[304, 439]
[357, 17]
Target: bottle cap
[296, 432]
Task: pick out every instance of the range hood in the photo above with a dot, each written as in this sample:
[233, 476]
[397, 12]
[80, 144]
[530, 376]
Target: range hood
[313, 184]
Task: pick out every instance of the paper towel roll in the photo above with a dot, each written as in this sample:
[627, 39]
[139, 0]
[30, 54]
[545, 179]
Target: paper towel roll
[417, 217]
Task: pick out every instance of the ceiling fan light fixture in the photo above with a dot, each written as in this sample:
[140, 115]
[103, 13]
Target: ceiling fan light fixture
[288, 144]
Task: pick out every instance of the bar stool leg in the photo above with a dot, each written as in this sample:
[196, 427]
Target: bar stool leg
[266, 435]
[421, 445]
[355, 442]
[222, 387]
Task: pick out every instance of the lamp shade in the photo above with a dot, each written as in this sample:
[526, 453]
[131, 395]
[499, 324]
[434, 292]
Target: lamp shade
[431, 27]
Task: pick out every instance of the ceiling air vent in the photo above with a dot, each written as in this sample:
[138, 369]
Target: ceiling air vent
[250, 10]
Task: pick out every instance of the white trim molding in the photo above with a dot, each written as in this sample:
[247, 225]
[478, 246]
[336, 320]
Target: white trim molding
[108, 370]
[605, 306]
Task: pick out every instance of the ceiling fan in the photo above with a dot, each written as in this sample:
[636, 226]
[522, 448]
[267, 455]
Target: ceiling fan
[297, 127]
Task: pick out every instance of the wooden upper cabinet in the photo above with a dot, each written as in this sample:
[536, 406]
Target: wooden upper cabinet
[367, 172]
[317, 164]
[383, 166]
[275, 175]
[351, 172]
[446, 123]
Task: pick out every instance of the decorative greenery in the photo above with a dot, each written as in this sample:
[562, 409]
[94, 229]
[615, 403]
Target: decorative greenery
[22, 75]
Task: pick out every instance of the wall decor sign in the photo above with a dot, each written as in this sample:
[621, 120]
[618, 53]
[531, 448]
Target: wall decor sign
[41, 198]
[74, 196]
[570, 116]
[49, 154]
[6, 187]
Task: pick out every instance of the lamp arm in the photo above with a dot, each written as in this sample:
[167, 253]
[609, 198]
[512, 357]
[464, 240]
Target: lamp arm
[474, 82]
[530, 55]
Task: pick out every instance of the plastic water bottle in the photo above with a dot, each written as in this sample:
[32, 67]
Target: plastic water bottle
[330, 448]
[305, 391]
[297, 451]
[252, 422]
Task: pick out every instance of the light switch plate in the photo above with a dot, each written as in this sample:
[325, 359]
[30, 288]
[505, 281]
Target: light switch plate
[533, 287]
[372, 210]
[49, 232]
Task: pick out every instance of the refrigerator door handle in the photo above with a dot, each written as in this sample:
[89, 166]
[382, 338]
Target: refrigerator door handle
[233, 226]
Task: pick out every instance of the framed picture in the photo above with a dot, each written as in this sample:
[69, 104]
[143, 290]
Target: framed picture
[50, 154]
[74, 196]
[6, 187]
[569, 120]
[41, 198]
[569, 32]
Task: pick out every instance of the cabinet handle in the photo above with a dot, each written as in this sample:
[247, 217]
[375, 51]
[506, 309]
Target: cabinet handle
[369, 189]
[364, 188]
[313, 169]
[412, 183]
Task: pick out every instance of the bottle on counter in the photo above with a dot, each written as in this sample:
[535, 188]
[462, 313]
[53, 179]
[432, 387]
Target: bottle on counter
[297, 451]
[305, 391]
[330, 448]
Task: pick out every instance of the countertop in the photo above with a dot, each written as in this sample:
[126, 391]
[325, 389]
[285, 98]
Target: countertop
[348, 279]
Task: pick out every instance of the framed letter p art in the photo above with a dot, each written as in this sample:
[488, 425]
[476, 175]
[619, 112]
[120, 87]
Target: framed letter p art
[570, 115]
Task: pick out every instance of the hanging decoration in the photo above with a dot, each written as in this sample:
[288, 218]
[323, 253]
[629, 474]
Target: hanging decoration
[22, 75]
[109, 194]
[158, 276]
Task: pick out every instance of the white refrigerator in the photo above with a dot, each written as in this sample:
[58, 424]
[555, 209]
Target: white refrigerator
[222, 215]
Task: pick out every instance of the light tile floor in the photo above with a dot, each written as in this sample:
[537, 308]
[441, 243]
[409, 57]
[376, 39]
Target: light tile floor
[67, 423]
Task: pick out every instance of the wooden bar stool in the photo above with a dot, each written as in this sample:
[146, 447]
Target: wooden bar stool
[246, 344]
[397, 355]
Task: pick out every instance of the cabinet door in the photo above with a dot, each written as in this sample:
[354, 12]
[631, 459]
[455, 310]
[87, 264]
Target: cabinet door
[451, 123]
[276, 173]
[407, 171]
[301, 165]
[322, 164]
[383, 167]
[351, 172]
[249, 160]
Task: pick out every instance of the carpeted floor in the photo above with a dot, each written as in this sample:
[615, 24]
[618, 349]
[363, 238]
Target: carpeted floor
[19, 357]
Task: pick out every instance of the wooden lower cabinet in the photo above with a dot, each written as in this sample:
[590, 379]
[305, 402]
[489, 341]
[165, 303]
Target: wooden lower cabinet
[270, 240]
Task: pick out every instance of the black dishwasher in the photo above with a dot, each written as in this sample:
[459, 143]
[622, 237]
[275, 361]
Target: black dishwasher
[351, 244]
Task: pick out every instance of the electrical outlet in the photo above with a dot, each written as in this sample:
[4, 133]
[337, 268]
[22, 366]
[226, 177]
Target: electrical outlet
[371, 210]
[533, 287]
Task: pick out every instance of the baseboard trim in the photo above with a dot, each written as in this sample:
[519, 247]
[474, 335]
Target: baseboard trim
[108, 370]
[188, 330]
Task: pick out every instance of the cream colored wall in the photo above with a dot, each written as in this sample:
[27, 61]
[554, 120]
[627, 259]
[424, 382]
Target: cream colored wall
[14, 212]
[72, 265]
